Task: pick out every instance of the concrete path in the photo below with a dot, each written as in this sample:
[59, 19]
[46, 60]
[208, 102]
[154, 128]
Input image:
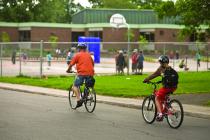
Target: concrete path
[191, 110]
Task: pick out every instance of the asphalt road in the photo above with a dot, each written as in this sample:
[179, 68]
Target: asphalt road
[25, 116]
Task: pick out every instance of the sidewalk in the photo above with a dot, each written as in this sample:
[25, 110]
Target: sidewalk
[190, 110]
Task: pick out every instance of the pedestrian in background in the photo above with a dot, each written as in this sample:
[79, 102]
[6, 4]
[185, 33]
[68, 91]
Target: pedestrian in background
[70, 55]
[140, 61]
[13, 57]
[134, 61]
[116, 57]
[121, 62]
[49, 59]
[198, 58]
[58, 52]
[177, 55]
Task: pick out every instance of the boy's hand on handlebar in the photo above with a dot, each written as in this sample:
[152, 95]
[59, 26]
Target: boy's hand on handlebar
[145, 80]
[69, 71]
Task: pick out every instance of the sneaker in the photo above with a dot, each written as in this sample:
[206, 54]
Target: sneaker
[79, 103]
[159, 117]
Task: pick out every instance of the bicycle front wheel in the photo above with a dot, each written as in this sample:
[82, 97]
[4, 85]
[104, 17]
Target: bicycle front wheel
[72, 98]
[175, 114]
[149, 110]
[90, 101]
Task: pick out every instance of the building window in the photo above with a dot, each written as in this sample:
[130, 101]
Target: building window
[24, 35]
[161, 32]
[173, 34]
[96, 34]
[150, 36]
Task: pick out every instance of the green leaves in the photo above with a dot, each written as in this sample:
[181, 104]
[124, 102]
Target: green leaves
[5, 37]
[38, 10]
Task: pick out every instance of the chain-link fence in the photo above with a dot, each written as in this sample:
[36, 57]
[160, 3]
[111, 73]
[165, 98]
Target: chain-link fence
[48, 58]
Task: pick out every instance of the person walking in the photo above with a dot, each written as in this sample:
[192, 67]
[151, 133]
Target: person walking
[121, 62]
[140, 61]
[70, 55]
[198, 58]
[134, 61]
[49, 59]
[116, 65]
[13, 57]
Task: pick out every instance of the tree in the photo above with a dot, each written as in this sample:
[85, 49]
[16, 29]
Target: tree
[5, 37]
[126, 4]
[38, 10]
[143, 42]
[194, 14]
[115, 4]
[53, 39]
[147, 4]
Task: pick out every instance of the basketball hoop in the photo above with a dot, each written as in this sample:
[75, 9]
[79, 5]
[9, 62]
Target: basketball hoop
[117, 21]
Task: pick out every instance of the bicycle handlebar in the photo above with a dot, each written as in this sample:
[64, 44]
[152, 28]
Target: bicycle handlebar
[154, 83]
[71, 72]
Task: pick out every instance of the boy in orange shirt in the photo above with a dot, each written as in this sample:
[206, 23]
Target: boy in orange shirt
[85, 70]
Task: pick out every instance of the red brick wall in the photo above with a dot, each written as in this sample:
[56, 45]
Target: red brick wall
[117, 35]
[39, 33]
[169, 35]
[12, 31]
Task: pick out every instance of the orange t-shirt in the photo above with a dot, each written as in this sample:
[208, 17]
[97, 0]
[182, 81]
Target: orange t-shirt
[84, 63]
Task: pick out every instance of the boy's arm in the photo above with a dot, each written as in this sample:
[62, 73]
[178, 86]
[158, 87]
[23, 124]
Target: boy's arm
[73, 62]
[152, 76]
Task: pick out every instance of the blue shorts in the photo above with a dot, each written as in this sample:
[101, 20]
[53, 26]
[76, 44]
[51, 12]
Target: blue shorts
[80, 80]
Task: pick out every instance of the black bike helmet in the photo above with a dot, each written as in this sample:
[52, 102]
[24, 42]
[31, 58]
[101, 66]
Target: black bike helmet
[163, 59]
[82, 46]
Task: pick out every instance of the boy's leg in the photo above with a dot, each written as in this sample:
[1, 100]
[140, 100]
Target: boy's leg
[78, 82]
[160, 95]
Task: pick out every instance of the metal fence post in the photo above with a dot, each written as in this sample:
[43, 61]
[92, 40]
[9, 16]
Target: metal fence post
[41, 55]
[1, 58]
[20, 68]
[207, 57]
[128, 48]
[164, 49]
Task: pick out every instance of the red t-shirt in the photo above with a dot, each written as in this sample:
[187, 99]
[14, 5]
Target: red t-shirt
[84, 63]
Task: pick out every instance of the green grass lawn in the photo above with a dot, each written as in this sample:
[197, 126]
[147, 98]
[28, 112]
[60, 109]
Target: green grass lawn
[123, 86]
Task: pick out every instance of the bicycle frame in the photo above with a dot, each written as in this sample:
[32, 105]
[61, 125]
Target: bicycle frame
[166, 101]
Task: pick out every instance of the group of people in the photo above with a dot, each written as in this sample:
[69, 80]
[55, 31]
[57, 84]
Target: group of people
[23, 57]
[85, 72]
[69, 56]
[121, 60]
[137, 62]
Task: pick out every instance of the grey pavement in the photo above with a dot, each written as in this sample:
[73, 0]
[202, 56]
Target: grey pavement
[190, 110]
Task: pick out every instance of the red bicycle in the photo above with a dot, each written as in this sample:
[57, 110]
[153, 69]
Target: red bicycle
[172, 109]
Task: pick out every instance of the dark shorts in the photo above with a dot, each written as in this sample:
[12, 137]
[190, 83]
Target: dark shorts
[134, 66]
[80, 80]
[140, 65]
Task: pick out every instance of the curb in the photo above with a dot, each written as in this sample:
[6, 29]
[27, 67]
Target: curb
[134, 106]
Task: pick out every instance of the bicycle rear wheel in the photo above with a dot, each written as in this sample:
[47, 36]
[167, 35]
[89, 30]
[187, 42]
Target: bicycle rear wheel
[90, 101]
[149, 110]
[175, 114]
[72, 98]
